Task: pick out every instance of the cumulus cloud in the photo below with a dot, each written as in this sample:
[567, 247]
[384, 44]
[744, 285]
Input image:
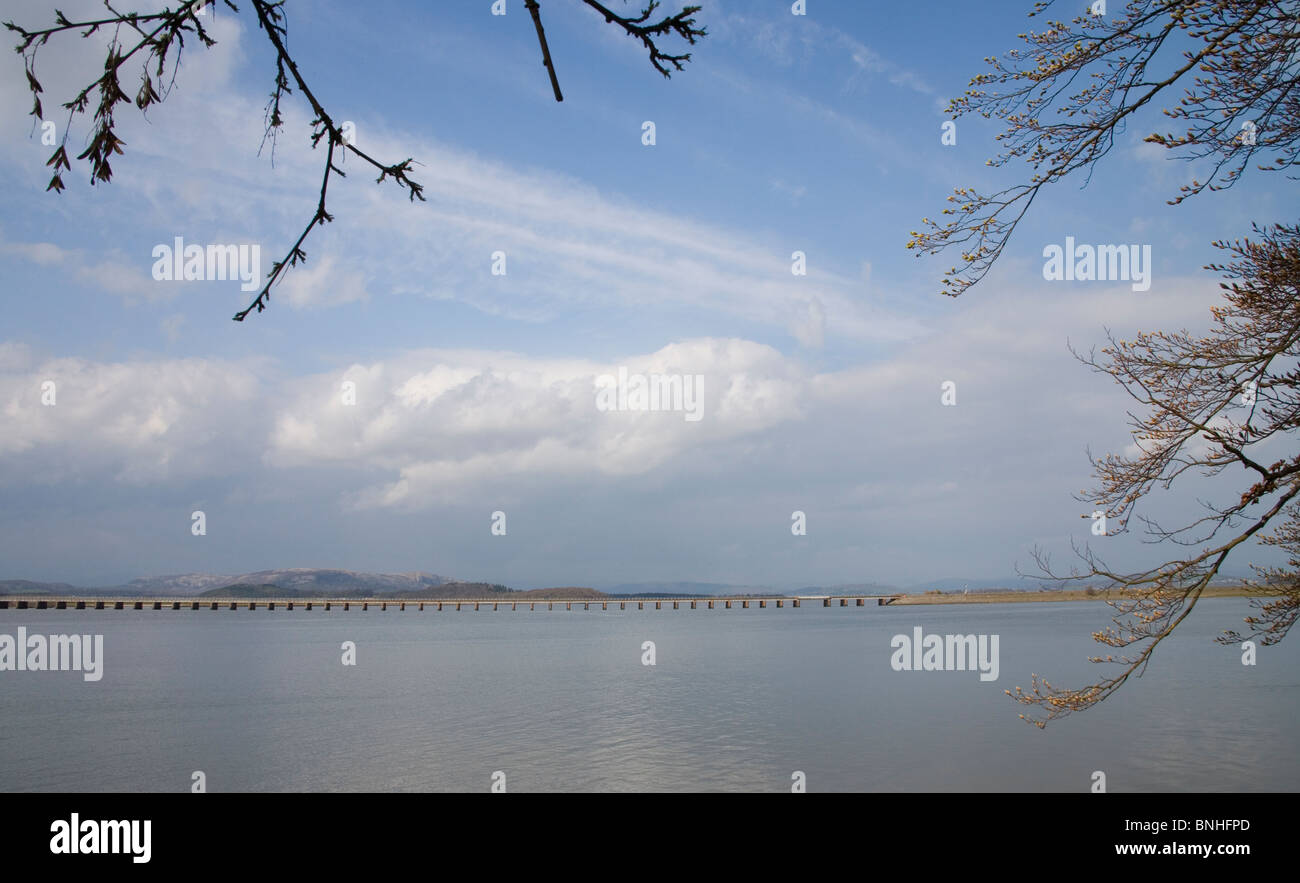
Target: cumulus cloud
[138, 423]
[448, 420]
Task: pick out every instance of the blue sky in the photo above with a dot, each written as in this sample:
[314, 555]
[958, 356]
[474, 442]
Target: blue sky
[817, 133]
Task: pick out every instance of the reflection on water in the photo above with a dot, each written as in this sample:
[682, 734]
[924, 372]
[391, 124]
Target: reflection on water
[560, 701]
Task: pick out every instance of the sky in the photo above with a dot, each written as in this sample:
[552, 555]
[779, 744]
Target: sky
[476, 392]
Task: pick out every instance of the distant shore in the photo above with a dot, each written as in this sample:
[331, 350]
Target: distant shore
[1014, 596]
[267, 597]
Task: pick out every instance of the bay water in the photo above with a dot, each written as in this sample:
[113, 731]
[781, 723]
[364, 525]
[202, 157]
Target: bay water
[737, 700]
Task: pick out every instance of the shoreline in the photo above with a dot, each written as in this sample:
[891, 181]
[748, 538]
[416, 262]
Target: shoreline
[542, 597]
[1020, 596]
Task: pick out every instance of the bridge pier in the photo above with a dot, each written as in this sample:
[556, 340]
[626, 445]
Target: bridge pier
[674, 605]
[658, 605]
[762, 604]
[622, 605]
[234, 606]
[640, 605]
[532, 605]
[692, 605]
[744, 605]
[568, 605]
[604, 605]
[346, 606]
[826, 602]
[779, 604]
[252, 605]
[861, 601]
[796, 603]
[728, 605]
[710, 605]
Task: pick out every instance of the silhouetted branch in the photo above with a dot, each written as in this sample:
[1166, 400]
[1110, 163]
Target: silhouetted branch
[681, 24]
[158, 32]
[269, 18]
[546, 50]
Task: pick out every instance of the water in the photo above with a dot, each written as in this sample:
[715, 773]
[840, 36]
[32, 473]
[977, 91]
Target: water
[738, 699]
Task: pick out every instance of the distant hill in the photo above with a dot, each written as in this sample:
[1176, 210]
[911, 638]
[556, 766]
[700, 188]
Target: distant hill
[27, 587]
[685, 590]
[311, 581]
[574, 593]
[291, 582]
[447, 591]
[349, 589]
[245, 590]
[300, 583]
[455, 589]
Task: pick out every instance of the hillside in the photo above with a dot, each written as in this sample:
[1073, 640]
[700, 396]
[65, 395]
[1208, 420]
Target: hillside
[247, 590]
[27, 587]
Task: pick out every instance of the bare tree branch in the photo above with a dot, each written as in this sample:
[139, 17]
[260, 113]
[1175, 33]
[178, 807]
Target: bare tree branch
[1239, 101]
[160, 36]
[1211, 403]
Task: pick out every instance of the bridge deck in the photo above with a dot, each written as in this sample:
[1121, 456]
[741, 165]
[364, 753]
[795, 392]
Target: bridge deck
[138, 603]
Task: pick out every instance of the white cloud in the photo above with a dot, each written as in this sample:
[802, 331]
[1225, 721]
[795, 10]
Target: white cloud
[134, 422]
[322, 284]
[447, 420]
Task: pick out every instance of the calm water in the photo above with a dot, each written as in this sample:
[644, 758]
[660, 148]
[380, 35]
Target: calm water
[560, 701]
